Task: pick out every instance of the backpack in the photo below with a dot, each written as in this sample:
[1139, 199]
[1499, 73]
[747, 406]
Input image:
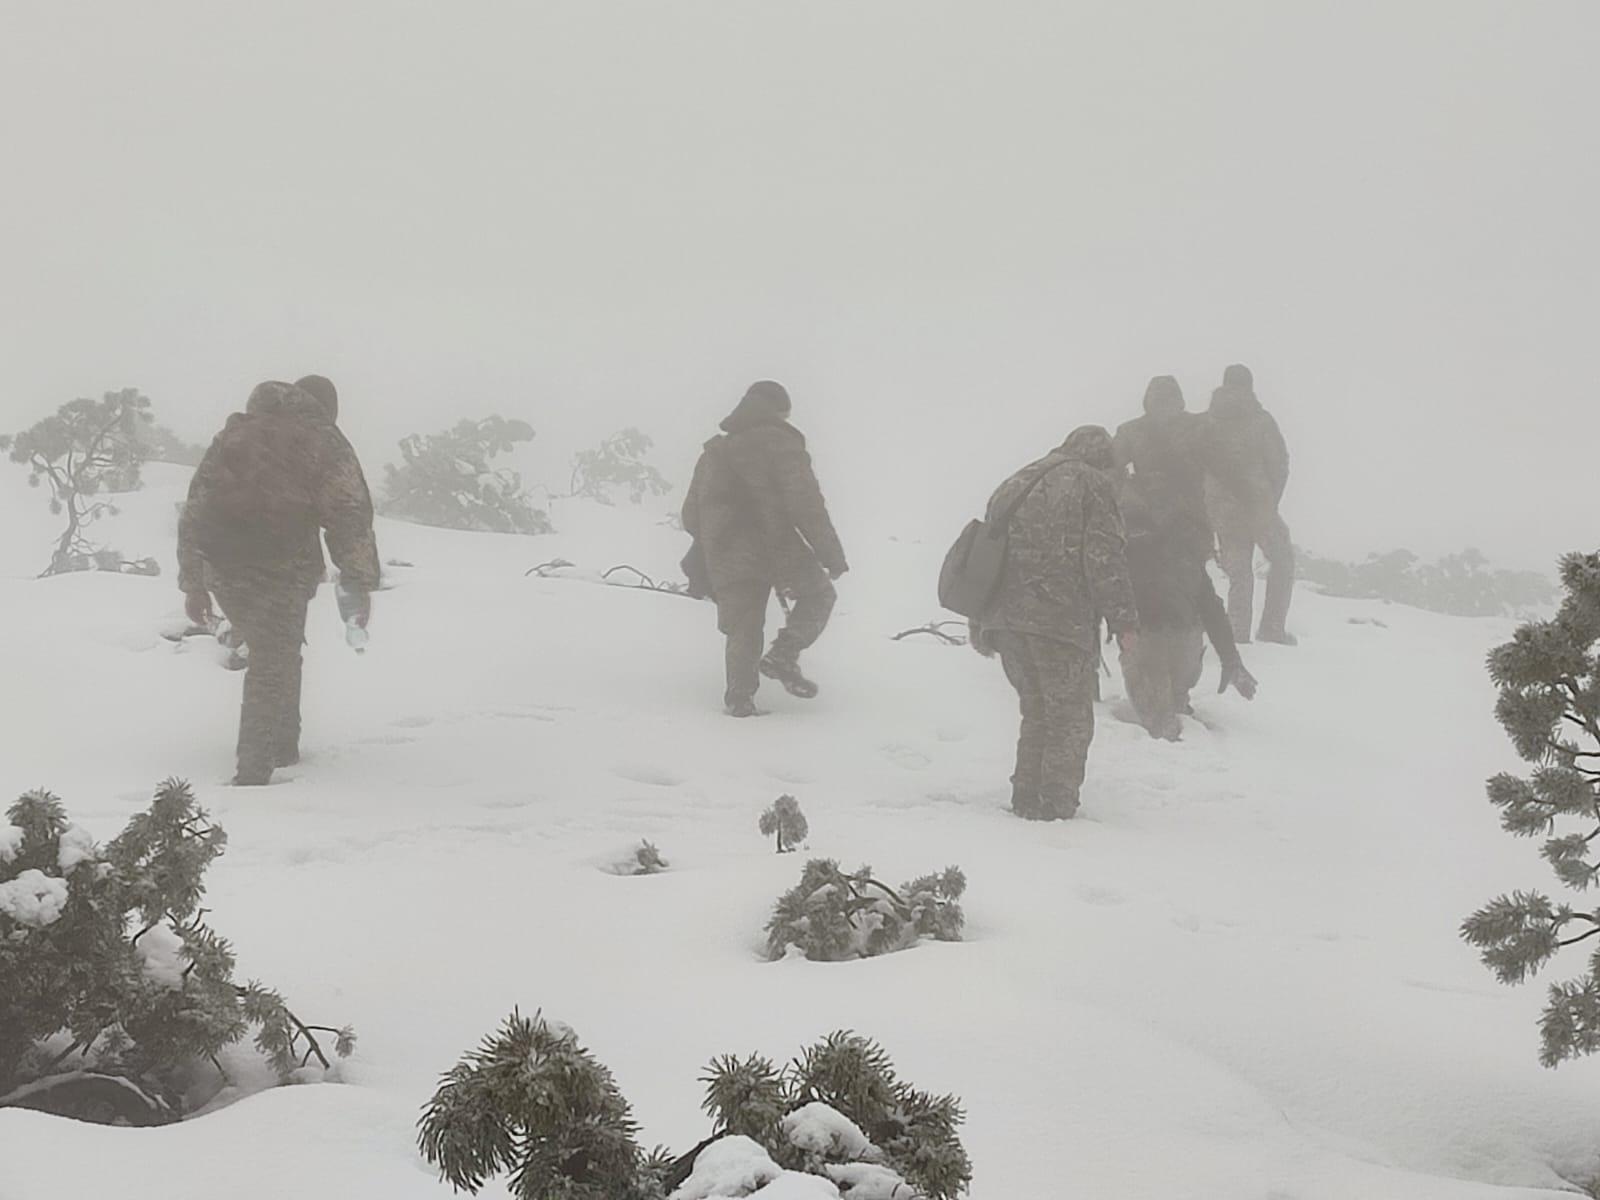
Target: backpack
[973, 566]
[261, 503]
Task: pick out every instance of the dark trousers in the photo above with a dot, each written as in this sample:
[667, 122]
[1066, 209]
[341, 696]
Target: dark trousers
[1237, 540]
[742, 619]
[269, 613]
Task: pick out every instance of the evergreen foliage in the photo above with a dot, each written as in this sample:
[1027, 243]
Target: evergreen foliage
[533, 1102]
[617, 463]
[86, 449]
[784, 822]
[106, 960]
[163, 445]
[1461, 585]
[832, 916]
[446, 480]
[648, 860]
[1549, 706]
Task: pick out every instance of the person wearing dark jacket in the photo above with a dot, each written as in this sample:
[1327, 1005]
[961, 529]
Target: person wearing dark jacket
[760, 524]
[277, 479]
[1164, 455]
[1066, 571]
[1244, 488]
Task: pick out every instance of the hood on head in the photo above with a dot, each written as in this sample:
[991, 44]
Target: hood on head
[1163, 396]
[1238, 376]
[277, 397]
[765, 403]
[322, 388]
[1091, 445]
[1230, 402]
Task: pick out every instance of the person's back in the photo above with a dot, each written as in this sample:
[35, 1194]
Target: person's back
[760, 524]
[1245, 483]
[1066, 570]
[278, 475]
[1168, 451]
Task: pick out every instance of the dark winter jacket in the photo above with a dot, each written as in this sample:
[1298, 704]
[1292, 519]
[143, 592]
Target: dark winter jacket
[1066, 565]
[1168, 452]
[1249, 466]
[754, 507]
[278, 476]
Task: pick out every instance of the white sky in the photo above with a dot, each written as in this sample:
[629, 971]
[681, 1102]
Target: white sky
[956, 230]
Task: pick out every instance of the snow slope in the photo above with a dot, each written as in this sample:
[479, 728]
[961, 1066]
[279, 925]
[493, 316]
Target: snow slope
[1235, 976]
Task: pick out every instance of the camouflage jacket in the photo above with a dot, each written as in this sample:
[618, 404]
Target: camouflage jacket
[1066, 566]
[277, 477]
[1249, 463]
[755, 507]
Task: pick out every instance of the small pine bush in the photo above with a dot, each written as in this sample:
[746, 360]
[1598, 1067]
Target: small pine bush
[446, 480]
[615, 464]
[785, 823]
[106, 964]
[1549, 706]
[832, 916]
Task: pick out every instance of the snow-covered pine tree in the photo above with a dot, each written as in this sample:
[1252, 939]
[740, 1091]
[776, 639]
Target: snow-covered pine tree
[832, 915]
[1549, 705]
[784, 822]
[617, 463]
[446, 480]
[106, 965]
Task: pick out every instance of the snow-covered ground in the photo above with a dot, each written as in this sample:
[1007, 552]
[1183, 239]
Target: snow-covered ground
[1236, 975]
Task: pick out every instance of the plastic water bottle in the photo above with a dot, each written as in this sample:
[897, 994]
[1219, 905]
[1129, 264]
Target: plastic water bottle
[350, 605]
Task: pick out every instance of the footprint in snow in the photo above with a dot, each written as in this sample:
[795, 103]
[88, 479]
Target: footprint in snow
[417, 722]
[654, 776]
[1103, 897]
[908, 757]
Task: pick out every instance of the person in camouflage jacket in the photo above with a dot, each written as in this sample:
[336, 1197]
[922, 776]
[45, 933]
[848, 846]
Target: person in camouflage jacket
[1066, 571]
[277, 478]
[1246, 478]
[760, 524]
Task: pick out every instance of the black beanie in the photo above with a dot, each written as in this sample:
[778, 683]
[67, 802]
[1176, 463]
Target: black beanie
[322, 388]
[1163, 394]
[1238, 376]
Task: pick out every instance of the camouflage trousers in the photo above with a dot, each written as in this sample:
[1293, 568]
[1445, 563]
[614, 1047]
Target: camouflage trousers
[1237, 539]
[269, 612]
[1159, 672]
[1055, 685]
[742, 619]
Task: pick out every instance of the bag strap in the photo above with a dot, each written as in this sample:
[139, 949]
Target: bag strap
[1015, 506]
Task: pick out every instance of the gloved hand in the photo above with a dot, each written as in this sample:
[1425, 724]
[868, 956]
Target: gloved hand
[355, 606]
[839, 568]
[1235, 675]
[197, 607]
[1128, 641]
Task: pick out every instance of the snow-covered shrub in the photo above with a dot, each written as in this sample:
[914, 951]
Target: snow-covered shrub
[831, 915]
[87, 448]
[1549, 705]
[107, 967]
[839, 1111]
[446, 480]
[835, 1122]
[784, 822]
[617, 463]
[531, 1101]
[1462, 585]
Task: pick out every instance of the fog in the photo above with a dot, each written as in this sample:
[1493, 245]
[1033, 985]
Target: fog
[954, 230]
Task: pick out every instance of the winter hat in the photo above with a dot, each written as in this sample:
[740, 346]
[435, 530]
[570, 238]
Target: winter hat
[764, 403]
[322, 388]
[1238, 376]
[1163, 395]
[1091, 445]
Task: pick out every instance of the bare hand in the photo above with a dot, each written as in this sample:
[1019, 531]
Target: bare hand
[1128, 641]
[197, 606]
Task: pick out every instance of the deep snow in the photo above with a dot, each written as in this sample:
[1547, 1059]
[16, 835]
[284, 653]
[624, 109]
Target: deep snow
[1236, 975]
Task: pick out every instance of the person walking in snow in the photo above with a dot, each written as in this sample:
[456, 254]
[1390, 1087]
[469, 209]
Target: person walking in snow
[1163, 456]
[760, 525]
[278, 477]
[1244, 488]
[1066, 570]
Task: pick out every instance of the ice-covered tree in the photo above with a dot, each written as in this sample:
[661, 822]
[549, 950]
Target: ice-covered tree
[785, 824]
[86, 449]
[1549, 706]
[446, 480]
[108, 967]
[617, 464]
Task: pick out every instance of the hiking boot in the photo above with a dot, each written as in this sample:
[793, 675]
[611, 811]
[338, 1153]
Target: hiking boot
[787, 672]
[1279, 637]
[743, 706]
[1025, 804]
[286, 758]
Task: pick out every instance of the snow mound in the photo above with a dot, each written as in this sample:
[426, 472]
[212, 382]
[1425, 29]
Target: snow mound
[33, 898]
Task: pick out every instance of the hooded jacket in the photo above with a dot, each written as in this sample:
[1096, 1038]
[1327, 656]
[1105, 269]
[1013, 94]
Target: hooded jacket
[1168, 452]
[754, 507]
[1066, 561]
[277, 476]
